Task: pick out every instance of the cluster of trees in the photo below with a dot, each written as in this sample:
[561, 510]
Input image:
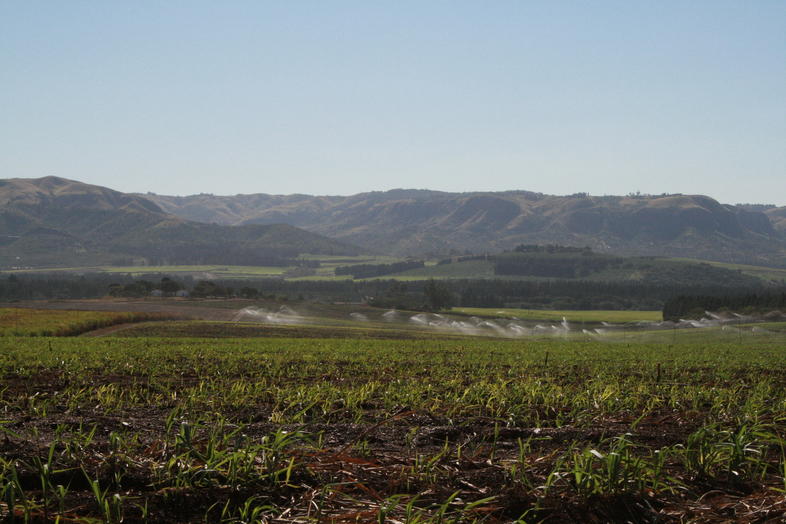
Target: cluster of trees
[169, 287]
[37, 286]
[464, 258]
[694, 306]
[560, 294]
[550, 294]
[138, 288]
[376, 270]
[578, 263]
[211, 289]
[142, 288]
[570, 265]
[550, 249]
[434, 295]
[438, 296]
[552, 261]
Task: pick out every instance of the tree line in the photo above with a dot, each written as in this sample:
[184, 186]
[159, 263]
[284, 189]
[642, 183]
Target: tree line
[546, 294]
[376, 270]
[695, 306]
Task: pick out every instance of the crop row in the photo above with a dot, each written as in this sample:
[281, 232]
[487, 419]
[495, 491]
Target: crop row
[65, 323]
[289, 430]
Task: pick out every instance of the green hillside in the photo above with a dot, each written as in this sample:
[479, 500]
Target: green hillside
[54, 222]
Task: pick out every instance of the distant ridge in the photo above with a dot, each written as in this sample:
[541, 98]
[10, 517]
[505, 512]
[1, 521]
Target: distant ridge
[420, 222]
[777, 216]
[53, 221]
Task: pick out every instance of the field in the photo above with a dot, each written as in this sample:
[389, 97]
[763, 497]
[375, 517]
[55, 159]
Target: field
[41, 322]
[212, 329]
[765, 273]
[269, 317]
[325, 271]
[200, 271]
[423, 427]
[469, 269]
[649, 269]
[573, 316]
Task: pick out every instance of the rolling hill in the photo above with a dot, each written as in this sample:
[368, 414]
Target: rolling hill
[52, 221]
[777, 216]
[420, 222]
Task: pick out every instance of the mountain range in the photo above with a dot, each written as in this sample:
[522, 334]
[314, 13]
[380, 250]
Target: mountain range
[421, 222]
[53, 221]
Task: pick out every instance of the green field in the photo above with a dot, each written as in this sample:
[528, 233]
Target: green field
[215, 271]
[765, 273]
[644, 269]
[344, 260]
[325, 329]
[470, 269]
[324, 272]
[40, 322]
[341, 425]
[556, 316]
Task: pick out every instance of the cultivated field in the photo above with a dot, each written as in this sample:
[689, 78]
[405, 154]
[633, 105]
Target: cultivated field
[243, 318]
[47, 322]
[639, 427]
[573, 316]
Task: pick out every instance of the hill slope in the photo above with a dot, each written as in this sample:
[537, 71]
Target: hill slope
[418, 222]
[777, 216]
[54, 221]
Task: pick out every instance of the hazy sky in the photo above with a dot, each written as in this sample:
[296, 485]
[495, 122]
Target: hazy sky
[339, 97]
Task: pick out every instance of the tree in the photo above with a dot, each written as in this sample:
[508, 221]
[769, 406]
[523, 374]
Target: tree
[169, 286]
[206, 288]
[249, 292]
[438, 296]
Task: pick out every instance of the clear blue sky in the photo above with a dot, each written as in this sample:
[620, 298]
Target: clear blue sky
[339, 97]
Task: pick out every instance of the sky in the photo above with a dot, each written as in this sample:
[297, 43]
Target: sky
[341, 97]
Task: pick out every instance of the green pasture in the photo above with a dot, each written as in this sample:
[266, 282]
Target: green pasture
[762, 272]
